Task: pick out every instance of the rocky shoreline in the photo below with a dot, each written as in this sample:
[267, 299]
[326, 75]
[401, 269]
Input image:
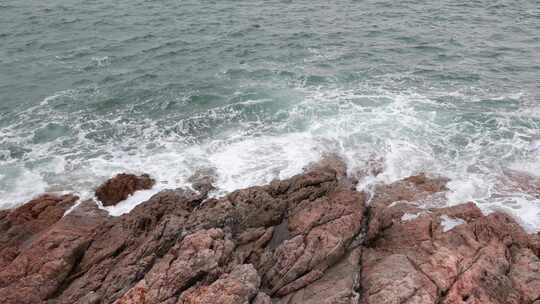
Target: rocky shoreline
[311, 238]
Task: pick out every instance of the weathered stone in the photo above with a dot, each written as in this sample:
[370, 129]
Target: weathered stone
[339, 285]
[239, 286]
[525, 273]
[409, 190]
[262, 298]
[448, 255]
[322, 230]
[197, 256]
[125, 248]
[394, 279]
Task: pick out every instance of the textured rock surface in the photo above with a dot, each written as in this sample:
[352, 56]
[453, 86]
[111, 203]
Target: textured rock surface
[121, 186]
[309, 239]
[444, 255]
[40, 270]
[18, 227]
[239, 286]
[339, 285]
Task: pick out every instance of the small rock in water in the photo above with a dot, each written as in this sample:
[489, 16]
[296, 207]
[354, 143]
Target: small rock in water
[203, 180]
[121, 186]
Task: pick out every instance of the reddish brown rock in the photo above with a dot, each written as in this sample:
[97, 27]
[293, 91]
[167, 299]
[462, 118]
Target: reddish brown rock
[444, 255]
[330, 163]
[534, 243]
[196, 257]
[393, 278]
[125, 248]
[38, 272]
[18, 227]
[306, 239]
[412, 191]
[484, 279]
[339, 285]
[239, 286]
[525, 273]
[139, 244]
[262, 298]
[121, 186]
[322, 230]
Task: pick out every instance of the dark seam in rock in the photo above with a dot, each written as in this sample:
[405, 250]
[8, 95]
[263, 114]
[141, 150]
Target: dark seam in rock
[477, 256]
[417, 268]
[79, 255]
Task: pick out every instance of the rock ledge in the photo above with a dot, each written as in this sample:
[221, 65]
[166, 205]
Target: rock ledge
[311, 238]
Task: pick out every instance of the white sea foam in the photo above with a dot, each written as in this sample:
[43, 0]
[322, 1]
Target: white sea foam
[56, 95]
[131, 202]
[468, 188]
[410, 216]
[360, 124]
[262, 159]
[449, 223]
[20, 185]
[101, 61]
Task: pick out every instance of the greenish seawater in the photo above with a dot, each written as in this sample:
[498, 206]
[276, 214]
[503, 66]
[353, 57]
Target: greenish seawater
[258, 89]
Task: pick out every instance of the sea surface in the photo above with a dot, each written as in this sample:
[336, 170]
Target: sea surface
[256, 90]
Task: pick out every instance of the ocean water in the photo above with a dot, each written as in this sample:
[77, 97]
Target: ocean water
[256, 90]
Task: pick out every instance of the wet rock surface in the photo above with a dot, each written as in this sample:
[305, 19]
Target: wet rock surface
[203, 180]
[121, 186]
[309, 239]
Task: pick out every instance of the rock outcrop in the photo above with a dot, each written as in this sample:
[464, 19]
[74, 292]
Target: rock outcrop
[443, 255]
[311, 238]
[121, 186]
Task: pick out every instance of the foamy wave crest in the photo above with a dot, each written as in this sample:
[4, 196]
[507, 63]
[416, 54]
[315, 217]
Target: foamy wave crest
[251, 139]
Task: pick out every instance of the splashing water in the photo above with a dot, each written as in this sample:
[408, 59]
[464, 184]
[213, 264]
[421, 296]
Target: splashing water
[168, 89]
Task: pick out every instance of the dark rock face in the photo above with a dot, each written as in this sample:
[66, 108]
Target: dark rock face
[121, 186]
[308, 239]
